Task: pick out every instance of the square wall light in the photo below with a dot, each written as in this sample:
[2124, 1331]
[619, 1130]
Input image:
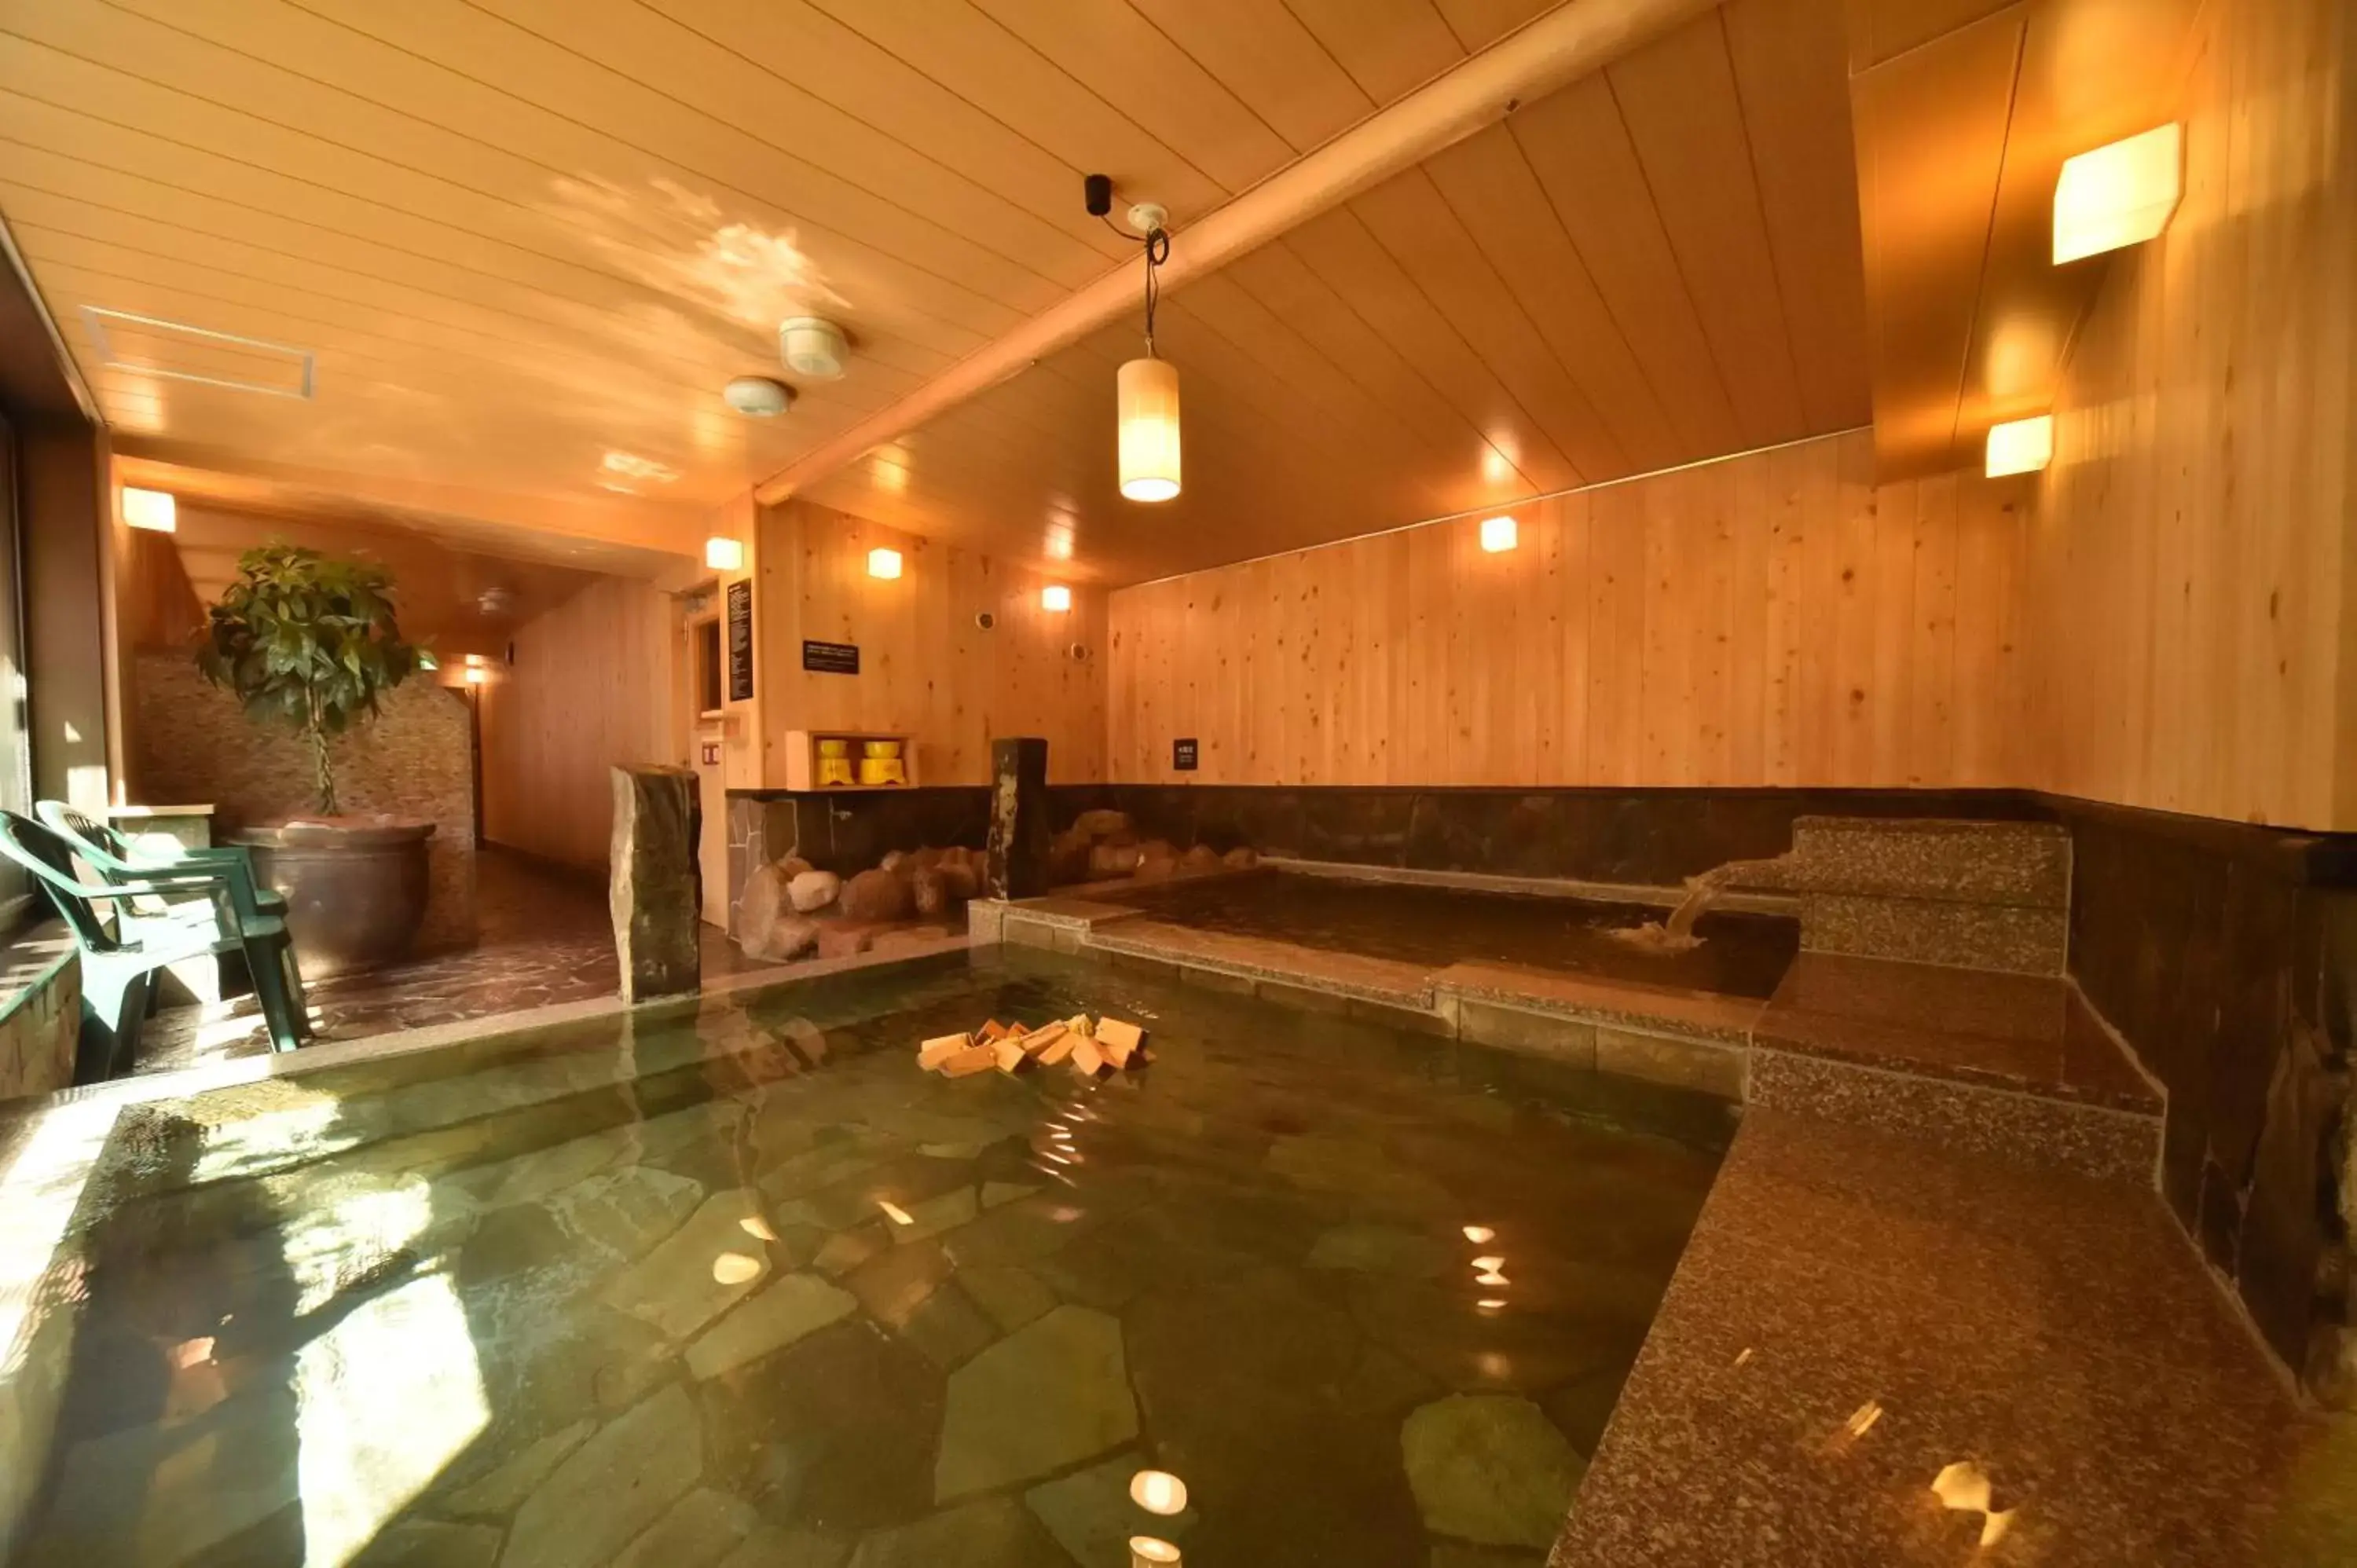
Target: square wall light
[2021, 445]
[153, 509]
[2118, 195]
[1497, 533]
[882, 563]
[723, 554]
[1055, 596]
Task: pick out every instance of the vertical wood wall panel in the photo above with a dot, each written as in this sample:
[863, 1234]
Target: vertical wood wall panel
[2190, 583]
[1773, 619]
[925, 668]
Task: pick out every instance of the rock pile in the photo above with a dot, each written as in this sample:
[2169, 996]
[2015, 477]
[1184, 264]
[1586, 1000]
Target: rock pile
[1090, 1047]
[1102, 846]
[791, 909]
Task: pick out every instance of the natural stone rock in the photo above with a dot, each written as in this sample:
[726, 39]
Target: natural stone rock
[788, 1549]
[706, 1267]
[947, 1327]
[922, 859]
[699, 1529]
[1243, 858]
[809, 890]
[617, 1484]
[877, 895]
[157, 1493]
[517, 1477]
[1101, 823]
[1489, 1468]
[1012, 1296]
[1090, 1515]
[790, 1308]
[652, 890]
[995, 1532]
[927, 892]
[761, 906]
[1053, 1394]
[1068, 857]
[1113, 860]
[431, 1543]
[1200, 858]
[845, 938]
[960, 881]
[892, 859]
[793, 865]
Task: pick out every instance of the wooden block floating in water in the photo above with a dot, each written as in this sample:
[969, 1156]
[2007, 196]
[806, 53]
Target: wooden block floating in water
[1119, 1039]
[1079, 1024]
[1087, 1060]
[1062, 1046]
[1010, 1053]
[993, 1031]
[1038, 1040]
[970, 1060]
[940, 1049]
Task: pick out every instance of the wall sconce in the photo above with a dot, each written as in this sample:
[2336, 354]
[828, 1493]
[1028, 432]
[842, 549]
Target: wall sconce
[2118, 195]
[1497, 533]
[882, 563]
[476, 674]
[155, 511]
[1055, 596]
[2021, 445]
[723, 554]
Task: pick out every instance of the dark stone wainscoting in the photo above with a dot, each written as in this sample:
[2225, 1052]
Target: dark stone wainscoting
[2225, 954]
[2227, 957]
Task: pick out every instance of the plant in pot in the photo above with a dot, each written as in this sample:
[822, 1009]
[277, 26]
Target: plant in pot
[310, 643]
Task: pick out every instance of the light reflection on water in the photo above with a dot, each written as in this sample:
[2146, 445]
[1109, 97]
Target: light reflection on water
[813, 1300]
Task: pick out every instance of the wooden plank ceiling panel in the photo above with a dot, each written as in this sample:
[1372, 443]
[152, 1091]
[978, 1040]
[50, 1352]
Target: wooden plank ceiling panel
[527, 240]
[1677, 97]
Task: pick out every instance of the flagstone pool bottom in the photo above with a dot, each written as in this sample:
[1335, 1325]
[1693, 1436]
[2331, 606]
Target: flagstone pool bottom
[740, 1283]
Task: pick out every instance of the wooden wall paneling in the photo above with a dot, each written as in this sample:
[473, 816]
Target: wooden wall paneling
[1616, 635]
[1269, 60]
[1387, 45]
[2191, 565]
[1677, 97]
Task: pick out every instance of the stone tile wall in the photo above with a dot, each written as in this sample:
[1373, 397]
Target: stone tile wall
[2227, 957]
[40, 1013]
[416, 759]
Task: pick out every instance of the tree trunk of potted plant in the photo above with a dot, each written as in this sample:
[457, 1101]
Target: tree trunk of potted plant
[311, 643]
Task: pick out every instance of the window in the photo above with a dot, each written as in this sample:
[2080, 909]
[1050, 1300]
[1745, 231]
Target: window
[18, 903]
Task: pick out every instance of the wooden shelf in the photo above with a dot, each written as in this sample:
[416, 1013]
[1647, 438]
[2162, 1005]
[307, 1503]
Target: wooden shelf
[801, 761]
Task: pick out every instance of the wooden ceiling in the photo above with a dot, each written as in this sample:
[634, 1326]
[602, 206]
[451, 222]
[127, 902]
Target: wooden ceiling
[523, 242]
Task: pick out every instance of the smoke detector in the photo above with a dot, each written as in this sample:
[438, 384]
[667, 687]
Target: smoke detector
[757, 396]
[812, 348]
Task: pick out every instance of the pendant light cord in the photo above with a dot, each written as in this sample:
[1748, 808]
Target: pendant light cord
[1157, 250]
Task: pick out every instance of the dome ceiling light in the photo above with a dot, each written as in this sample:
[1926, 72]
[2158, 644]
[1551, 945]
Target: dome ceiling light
[757, 397]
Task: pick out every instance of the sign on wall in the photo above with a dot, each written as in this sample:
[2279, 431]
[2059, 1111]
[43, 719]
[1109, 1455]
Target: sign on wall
[740, 640]
[831, 658]
[1182, 755]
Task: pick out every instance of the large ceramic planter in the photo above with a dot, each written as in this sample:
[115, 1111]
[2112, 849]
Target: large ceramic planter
[355, 887]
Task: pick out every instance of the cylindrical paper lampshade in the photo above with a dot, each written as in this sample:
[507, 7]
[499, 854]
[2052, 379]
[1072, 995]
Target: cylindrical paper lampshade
[1148, 395]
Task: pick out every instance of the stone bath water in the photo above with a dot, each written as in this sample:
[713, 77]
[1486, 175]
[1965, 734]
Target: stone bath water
[738, 1283]
[1739, 954]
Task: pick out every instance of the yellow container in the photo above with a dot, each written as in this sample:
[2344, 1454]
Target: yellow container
[881, 747]
[834, 770]
[882, 771]
[834, 748]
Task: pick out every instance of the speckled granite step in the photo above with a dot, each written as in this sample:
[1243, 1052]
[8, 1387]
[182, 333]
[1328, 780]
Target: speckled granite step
[1968, 893]
[2012, 1065]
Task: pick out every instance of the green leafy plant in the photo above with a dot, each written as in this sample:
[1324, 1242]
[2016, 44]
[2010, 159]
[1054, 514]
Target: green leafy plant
[310, 643]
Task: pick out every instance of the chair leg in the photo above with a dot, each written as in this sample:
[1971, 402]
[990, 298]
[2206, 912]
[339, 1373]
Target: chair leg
[270, 989]
[113, 1003]
[295, 993]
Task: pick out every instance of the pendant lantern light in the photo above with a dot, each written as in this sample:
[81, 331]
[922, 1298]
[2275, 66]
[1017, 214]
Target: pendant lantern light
[1147, 391]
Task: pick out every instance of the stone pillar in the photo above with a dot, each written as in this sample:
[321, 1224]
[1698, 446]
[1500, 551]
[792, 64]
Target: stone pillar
[656, 902]
[1018, 817]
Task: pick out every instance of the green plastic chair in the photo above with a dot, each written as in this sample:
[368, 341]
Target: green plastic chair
[114, 859]
[117, 969]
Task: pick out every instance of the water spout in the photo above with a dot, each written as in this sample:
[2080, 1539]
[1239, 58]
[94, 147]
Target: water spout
[1675, 935]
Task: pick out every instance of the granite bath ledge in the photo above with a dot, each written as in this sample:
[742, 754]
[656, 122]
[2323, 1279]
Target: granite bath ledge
[1740, 901]
[2057, 1331]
